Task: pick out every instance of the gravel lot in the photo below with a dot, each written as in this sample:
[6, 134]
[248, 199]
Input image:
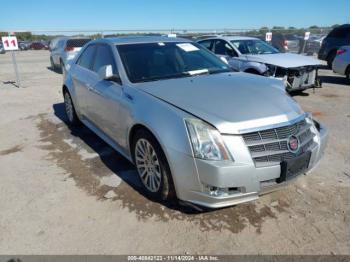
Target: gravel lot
[65, 191]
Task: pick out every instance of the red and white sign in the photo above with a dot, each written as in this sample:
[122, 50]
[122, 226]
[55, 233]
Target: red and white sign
[268, 36]
[307, 36]
[10, 43]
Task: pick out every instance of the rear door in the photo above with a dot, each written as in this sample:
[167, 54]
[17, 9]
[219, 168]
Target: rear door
[208, 44]
[84, 78]
[56, 52]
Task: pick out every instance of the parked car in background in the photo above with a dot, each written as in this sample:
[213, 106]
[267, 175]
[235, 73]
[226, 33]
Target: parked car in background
[39, 46]
[290, 44]
[2, 50]
[312, 45]
[252, 55]
[53, 42]
[194, 129]
[65, 50]
[24, 45]
[339, 36]
[284, 43]
[341, 62]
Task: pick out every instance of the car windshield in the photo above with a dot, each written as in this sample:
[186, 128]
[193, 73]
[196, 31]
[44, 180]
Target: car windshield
[254, 47]
[156, 61]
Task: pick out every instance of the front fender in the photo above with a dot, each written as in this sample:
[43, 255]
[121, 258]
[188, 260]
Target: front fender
[166, 123]
[261, 68]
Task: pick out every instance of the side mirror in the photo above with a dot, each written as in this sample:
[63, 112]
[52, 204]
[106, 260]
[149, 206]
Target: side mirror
[224, 59]
[106, 73]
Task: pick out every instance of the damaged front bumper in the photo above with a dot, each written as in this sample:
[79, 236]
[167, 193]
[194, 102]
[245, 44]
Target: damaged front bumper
[297, 79]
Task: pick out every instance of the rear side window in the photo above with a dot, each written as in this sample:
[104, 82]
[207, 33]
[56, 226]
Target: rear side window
[86, 58]
[104, 56]
[77, 42]
[208, 44]
[340, 32]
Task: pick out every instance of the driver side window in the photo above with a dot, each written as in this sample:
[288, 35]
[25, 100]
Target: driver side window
[104, 56]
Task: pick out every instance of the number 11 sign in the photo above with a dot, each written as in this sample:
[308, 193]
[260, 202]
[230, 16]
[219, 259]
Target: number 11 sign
[10, 43]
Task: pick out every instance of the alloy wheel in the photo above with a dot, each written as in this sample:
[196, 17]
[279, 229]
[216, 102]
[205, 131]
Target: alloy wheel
[147, 164]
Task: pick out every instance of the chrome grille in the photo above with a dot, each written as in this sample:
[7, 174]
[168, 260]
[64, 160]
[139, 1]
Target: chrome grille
[270, 147]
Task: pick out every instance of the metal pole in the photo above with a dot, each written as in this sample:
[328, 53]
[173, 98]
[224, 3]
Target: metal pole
[304, 45]
[16, 69]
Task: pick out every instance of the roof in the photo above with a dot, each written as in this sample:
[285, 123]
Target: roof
[230, 38]
[142, 39]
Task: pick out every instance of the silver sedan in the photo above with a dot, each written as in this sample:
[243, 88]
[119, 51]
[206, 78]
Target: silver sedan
[195, 130]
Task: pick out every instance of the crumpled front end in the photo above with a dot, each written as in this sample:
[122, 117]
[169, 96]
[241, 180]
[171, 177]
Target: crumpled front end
[298, 78]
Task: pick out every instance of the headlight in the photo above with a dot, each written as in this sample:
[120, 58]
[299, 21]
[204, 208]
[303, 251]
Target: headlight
[311, 120]
[206, 141]
[271, 70]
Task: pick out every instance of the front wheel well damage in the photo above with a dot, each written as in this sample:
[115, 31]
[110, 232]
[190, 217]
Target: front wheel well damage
[252, 71]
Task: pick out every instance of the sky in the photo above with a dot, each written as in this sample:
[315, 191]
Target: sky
[169, 14]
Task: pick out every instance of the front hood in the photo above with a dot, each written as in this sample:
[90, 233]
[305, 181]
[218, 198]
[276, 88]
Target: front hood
[284, 60]
[232, 102]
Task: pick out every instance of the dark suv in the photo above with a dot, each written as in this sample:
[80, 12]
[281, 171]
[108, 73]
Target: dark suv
[338, 37]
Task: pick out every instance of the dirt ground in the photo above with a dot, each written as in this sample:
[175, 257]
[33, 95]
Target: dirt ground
[65, 191]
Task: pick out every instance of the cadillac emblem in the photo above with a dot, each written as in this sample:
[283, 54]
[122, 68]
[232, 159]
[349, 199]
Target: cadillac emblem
[293, 144]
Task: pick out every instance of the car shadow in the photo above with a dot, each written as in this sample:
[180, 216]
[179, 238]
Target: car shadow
[116, 163]
[298, 93]
[53, 70]
[340, 80]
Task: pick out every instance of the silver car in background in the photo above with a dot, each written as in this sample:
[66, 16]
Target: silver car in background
[64, 49]
[341, 62]
[252, 55]
[194, 129]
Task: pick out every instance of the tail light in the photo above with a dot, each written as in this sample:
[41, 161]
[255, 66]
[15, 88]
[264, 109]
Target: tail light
[285, 44]
[69, 49]
[341, 51]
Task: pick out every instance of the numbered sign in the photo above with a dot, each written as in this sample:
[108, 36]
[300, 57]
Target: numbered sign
[10, 43]
[268, 36]
[307, 36]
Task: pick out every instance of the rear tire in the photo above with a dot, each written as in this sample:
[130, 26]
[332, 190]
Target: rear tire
[62, 70]
[330, 58]
[152, 166]
[72, 117]
[347, 72]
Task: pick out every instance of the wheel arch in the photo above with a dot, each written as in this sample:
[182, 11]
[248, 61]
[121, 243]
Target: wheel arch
[138, 126]
[251, 70]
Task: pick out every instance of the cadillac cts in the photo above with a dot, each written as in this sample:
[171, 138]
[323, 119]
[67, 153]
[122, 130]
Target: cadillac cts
[195, 130]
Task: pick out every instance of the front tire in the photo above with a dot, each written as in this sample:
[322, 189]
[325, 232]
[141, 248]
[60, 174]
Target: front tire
[53, 66]
[152, 167]
[72, 117]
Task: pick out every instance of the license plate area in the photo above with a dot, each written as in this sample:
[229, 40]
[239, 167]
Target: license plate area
[294, 167]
